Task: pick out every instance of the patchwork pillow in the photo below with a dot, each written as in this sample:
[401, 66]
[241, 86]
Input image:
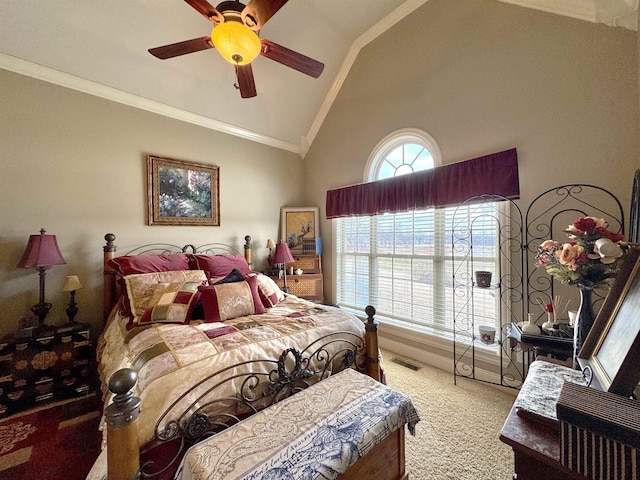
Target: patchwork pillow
[137, 264]
[219, 265]
[174, 304]
[231, 300]
[147, 290]
[269, 291]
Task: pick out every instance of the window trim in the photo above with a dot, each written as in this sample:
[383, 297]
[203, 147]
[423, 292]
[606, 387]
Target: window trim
[394, 140]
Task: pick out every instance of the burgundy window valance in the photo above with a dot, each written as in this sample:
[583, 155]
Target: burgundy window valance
[449, 185]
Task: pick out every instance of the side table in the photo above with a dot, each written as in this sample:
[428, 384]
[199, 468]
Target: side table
[43, 364]
[545, 345]
[536, 450]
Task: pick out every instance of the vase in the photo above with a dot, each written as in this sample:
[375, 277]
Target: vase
[530, 327]
[583, 323]
[547, 327]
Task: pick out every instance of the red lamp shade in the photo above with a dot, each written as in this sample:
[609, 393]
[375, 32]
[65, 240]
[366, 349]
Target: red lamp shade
[282, 254]
[42, 251]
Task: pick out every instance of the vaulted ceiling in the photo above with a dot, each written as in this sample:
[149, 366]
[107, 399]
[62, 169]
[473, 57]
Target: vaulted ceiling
[101, 48]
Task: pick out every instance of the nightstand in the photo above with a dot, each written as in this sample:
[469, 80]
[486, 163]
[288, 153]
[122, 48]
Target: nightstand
[48, 363]
[310, 284]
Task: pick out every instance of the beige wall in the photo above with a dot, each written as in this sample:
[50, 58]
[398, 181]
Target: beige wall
[482, 76]
[76, 165]
[478, 75]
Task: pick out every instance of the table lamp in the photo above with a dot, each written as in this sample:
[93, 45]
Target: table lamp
[281, 256]
[71, 284]
[42, 252]
[270, 245]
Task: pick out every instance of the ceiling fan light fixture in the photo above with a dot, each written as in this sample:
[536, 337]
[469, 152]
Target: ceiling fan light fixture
[237, 43]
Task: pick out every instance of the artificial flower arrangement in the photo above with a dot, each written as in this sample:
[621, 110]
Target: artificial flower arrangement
[578, 261]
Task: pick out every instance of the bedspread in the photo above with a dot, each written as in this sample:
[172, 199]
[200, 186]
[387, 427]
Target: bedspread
[317, 433]
[170, 358]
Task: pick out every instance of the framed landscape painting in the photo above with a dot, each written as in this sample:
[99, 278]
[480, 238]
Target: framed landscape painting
[182, 193]
[298, 224]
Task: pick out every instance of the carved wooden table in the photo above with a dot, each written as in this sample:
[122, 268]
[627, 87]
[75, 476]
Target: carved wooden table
[536, 449]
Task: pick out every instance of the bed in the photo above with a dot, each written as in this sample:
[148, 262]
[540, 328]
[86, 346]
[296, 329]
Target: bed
[195, 342]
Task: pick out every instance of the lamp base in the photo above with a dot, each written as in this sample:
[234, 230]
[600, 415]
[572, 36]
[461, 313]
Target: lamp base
[41, 310]
[71, 311]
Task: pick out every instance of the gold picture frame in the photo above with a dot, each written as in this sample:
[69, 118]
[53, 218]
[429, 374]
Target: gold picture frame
[610, 352]
[297, 223]
[182, 193]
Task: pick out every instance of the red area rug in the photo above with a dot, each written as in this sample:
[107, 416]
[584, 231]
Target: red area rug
[56, 443]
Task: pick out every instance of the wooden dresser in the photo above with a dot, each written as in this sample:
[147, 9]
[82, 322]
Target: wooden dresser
[309, 285]
[45, 364]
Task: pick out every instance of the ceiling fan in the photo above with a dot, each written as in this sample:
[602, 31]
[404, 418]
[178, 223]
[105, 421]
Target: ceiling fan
[235, 36]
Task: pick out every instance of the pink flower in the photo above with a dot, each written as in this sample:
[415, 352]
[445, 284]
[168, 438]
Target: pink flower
[577, 262]
[569, 254]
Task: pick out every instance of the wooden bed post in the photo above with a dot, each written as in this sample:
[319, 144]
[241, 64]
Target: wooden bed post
[371, 339]
[123, 456]
[247, 249]
[109, 294]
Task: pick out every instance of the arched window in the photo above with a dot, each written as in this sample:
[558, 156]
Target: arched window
[402, 152]
[402, 262]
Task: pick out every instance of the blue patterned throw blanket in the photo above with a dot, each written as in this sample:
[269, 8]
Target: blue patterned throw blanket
[317, 433]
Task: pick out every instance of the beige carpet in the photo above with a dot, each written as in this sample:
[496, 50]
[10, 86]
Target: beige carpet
[457, 437]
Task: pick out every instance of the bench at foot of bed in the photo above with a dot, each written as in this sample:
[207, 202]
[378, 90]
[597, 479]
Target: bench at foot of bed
[348, 426]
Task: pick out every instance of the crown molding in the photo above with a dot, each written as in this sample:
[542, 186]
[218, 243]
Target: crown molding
[39, 72]
[615, 13]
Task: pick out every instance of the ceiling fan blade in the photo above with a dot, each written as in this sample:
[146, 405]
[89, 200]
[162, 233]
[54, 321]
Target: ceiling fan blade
[181, 48]
[204, 8]
[292, 59]
[258, 12]
[246, 84]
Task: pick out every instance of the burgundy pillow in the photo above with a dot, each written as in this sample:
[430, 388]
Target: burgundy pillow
[219, 265]
[269, 291]
[131, 264]
[231, 300]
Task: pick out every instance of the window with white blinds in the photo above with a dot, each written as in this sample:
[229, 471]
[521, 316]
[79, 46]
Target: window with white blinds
[403, 263]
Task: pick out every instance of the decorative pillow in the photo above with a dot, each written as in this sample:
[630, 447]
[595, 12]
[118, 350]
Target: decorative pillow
[269, 291]
[235, 276]
[175, 302]
[147, 290]
[231, 300]
[137, 264]
[133, 264]
[219, 265]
